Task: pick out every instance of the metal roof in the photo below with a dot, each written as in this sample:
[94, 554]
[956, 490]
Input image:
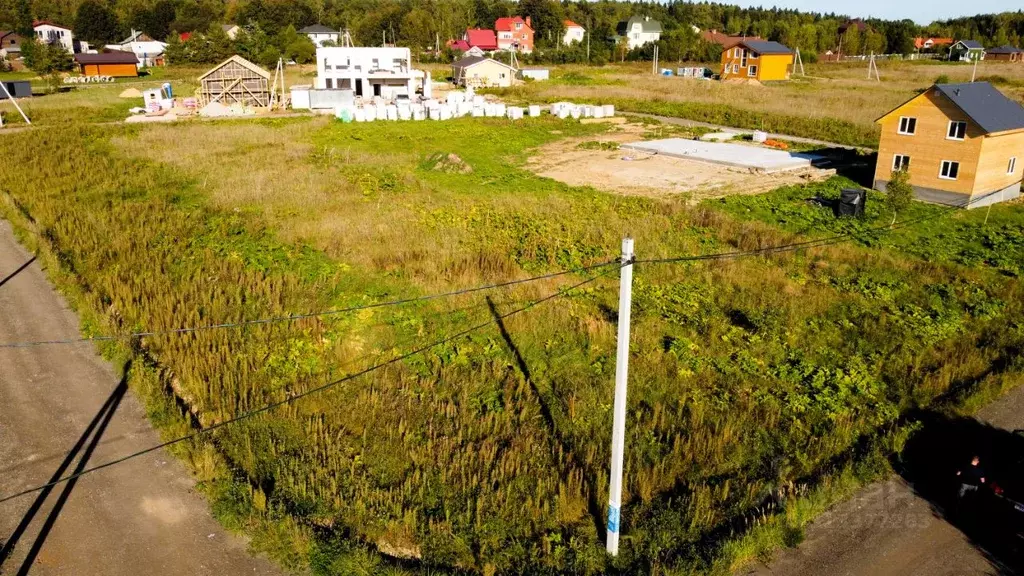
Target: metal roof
[318, 29]
[765, 47]
[971, 44]
[986, 106]
[1006, 49]
[647, 25]
[474, 60]
[115, 57]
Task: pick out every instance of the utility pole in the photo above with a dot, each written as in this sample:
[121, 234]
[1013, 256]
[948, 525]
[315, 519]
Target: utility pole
[619, 413]
[15, 102]
[587, 32]
[975, 72]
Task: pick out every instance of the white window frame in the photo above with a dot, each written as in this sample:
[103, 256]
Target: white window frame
[900, 161]
[949, 130]
[943, 168]
[752, 70]
[909, 119]
[1011, 167]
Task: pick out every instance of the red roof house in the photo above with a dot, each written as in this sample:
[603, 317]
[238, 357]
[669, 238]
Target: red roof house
[514, 32]
[726, 41]
[482, 39]
[926, 43]
[460, 45]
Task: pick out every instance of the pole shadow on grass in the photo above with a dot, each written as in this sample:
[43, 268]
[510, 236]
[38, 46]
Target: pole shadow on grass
[992, 518]
[593, 504]
[83, 449]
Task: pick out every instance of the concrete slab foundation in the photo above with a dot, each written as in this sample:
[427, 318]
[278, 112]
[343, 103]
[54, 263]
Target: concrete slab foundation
[736, 155]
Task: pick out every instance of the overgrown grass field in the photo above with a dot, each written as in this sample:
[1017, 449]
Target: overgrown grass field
[761, 388]
[833, 102]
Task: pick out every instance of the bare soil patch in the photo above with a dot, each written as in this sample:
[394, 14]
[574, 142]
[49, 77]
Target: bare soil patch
[594, 162]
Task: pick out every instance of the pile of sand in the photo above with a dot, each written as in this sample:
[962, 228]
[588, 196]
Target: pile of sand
[130, 93]
[448, 163]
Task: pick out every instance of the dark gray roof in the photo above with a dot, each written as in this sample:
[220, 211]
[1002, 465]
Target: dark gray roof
[972, 44]
[317, 29]
[986, 106]
[647, 25]
[765, 47]
[471, 60]
[112, 57]
[1007, 49]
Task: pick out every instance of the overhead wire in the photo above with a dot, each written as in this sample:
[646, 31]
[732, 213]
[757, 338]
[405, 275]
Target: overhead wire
[304, 316]
[321, 388]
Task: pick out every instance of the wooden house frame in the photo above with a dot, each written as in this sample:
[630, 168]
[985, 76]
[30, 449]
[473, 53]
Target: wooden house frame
[235, 81]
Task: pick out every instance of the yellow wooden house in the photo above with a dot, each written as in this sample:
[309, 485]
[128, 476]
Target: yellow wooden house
[962, 144]
[757, 60]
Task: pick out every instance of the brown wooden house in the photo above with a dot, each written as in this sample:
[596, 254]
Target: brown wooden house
[1005, 53]
[963, 145]
[236, 81]
[117, 64]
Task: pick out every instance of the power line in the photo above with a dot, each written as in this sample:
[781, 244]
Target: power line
[309, 392]
[295, 317]
[820, 242]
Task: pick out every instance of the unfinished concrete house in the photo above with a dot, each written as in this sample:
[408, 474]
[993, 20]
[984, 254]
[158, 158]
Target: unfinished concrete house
[368, 71]
[235, 81]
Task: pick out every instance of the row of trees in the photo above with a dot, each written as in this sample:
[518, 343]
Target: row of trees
[427, 24]
[252, 43]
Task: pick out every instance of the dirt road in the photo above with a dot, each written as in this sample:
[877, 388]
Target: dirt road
[888, 529]
[60, 405]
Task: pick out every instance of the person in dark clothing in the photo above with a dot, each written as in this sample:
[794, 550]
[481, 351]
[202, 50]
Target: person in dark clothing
[972, 477]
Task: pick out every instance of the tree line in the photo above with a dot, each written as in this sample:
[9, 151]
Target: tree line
[426, 25]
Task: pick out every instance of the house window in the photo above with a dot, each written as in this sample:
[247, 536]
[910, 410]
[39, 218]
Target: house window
[519, 25]
[950, 170]
[752, 71]
[957, 130]
[900, 162]
[1012, 166]
[908, 125]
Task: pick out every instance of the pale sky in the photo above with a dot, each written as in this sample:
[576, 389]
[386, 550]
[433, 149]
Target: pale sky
[920, 11]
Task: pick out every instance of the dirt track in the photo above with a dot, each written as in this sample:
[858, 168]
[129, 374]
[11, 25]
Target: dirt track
[888, 529]
[140, 517]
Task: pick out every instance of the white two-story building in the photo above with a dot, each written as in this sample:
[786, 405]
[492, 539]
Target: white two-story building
[49, 33]
[368, 71]
[573, 33]
[639, 31]
[320, 34]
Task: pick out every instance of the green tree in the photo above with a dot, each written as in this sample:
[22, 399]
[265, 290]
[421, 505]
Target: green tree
[898, 192]
[156, 21]
[95, 22]
[302, 51]
[23, 19]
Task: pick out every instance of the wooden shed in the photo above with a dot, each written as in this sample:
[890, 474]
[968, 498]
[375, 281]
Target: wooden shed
[235, 81]
[116, 63]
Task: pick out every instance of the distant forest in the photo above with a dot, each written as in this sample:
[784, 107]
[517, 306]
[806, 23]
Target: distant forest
[423, 24]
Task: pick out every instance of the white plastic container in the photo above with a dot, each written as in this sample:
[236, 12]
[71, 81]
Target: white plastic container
[391, 111]
[534, 111]
[500, 109]
[576, 112]
[609, 110]
[359, 115]
[371, 113]
[419, 114]
[598, 112]
[478, 112]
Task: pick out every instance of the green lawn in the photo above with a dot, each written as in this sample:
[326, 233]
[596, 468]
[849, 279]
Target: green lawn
[782, 378]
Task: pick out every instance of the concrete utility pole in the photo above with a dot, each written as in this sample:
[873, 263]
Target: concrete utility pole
[15, 102]
[975, 71]
[619, 413]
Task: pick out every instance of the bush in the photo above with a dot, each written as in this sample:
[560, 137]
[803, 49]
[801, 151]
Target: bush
[942, 79]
